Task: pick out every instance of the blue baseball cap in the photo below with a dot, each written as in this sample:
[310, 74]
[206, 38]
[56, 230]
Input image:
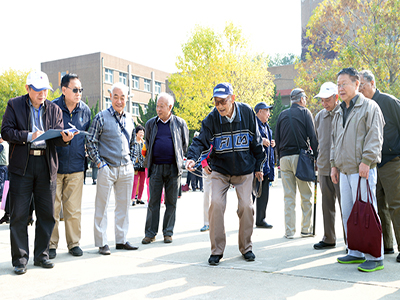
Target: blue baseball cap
[262, 105]
[223, 90]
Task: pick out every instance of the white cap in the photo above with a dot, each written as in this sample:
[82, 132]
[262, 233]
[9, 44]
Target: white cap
[327, 89]
[38, 81]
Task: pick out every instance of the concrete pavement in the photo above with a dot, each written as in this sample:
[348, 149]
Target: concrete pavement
[283, 269]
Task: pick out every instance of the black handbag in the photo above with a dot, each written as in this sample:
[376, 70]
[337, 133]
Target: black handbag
[305, 170]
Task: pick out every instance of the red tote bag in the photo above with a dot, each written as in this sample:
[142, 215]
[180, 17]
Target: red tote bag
[364, 229]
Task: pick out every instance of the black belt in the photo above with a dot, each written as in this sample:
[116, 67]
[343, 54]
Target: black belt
[37, 152]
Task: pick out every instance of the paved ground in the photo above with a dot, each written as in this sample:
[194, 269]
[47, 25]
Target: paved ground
[284, 269]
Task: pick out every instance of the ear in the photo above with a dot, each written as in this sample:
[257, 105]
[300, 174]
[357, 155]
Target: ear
[27, 88]
[63, 89]
[233, 98]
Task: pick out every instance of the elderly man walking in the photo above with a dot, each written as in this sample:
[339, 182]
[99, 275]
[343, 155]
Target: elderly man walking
[167, 139]
[294, 131]
[388, 182]
[357, 138]
[110, 144]
[237, 156]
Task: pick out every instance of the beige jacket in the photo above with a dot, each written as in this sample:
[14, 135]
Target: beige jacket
[323, 130]
[361, 138]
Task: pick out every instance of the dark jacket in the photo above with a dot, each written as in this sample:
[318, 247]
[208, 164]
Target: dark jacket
[16, 126]
[303, 125]
[180, 138]
[268, 169]
[390, 107]
[246, 155]
[71, 159]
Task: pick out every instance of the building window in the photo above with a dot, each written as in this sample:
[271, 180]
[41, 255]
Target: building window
[122, 78]
[135, 82]
[145, 108]
[147, 85]
[62, 74]
[157, 87]
[135, 109]
[109, 77]
[108, 102]
[278, 76]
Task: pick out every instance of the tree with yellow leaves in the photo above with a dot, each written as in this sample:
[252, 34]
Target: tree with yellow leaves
[363, 34]
[210, 58]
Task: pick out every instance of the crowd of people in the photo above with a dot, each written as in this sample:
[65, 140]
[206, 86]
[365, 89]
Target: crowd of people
[51, 141]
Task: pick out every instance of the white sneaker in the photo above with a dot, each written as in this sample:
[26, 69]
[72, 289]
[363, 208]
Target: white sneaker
[289, 236]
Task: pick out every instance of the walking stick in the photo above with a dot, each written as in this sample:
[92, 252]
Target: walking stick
[315, 201]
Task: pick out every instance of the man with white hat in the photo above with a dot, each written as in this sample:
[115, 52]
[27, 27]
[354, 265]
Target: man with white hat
[330, 191]
[32, 168]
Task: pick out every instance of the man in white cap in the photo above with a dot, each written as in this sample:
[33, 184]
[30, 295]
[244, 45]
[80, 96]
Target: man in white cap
[330, 191]
[32, 168]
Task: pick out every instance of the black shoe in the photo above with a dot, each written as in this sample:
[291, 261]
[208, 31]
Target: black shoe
[52, 253]
[94, 182]
[214, 259]
[19, 270]
[126, 246]
[139, 202]
[76, 251]
[264, 225]
[322, 245]
[47, 264]
[398, 258]
[388, 250]
[249, 256]
[133, 202]
[6, 219]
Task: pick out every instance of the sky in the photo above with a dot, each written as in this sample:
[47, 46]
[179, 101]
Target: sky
[147, 32]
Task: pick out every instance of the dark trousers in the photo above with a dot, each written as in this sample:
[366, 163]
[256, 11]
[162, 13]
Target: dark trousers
[36, 181]
[162, 176]
[262, 202]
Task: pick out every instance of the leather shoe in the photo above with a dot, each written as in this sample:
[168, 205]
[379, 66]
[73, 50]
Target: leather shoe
[19, 270]
[52, 253]
[214, 259]
[249, 256]
[388, 251]
[148, 240]
[126, 246]
[5, 219]
[45, 263]
[105, 250]
[322, 245]
[167, 239]
[76, 251]
[264, 225]
[398, 258]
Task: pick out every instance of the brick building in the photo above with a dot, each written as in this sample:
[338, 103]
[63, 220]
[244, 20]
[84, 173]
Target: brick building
[98, 71]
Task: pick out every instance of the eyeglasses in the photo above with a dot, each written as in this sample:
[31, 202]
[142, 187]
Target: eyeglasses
[362, 84]
[343, 85]
[222, 102]
[75, 90]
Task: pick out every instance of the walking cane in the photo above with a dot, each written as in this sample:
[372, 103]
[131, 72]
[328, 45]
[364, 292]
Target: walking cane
[315, 201]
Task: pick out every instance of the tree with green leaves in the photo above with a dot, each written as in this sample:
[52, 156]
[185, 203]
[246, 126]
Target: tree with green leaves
[283, 59]
[363, 34]
[276, 111]
[150, 112]
[210, 58]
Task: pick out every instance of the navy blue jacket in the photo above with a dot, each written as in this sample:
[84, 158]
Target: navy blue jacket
[237, 146]
[71, 159]
[269, 164]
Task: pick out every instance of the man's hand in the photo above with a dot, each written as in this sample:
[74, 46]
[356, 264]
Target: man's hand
[266, 142]
[260, 176]
[36, 134]
[67, 136]
[207, 169]
[335, 175]
[363, 170]
[273, 143]
[190, 164]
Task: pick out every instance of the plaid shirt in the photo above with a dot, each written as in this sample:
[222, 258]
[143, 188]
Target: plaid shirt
[95, 132]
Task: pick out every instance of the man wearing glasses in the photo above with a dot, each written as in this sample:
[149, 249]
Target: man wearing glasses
[357, 138]
[71, 165]
[32, 168]
[237, 156]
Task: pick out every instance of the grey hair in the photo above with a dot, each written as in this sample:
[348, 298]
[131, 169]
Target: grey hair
[167, 97]
[367, 74]
[121, 86]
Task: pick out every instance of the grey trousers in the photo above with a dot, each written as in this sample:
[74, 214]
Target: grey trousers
[388, 197]
[330, 192]
[162, 176]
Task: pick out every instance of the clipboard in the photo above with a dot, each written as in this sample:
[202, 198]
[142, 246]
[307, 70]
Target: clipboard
[55, 133]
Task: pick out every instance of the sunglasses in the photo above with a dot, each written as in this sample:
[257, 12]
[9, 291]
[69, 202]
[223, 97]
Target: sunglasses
[222, 102]
[75, 90]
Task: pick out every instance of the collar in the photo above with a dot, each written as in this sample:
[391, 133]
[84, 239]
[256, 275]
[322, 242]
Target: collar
[332, 112]
[352, 102]
[62, 97]
[114, 112]
[158, 119]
